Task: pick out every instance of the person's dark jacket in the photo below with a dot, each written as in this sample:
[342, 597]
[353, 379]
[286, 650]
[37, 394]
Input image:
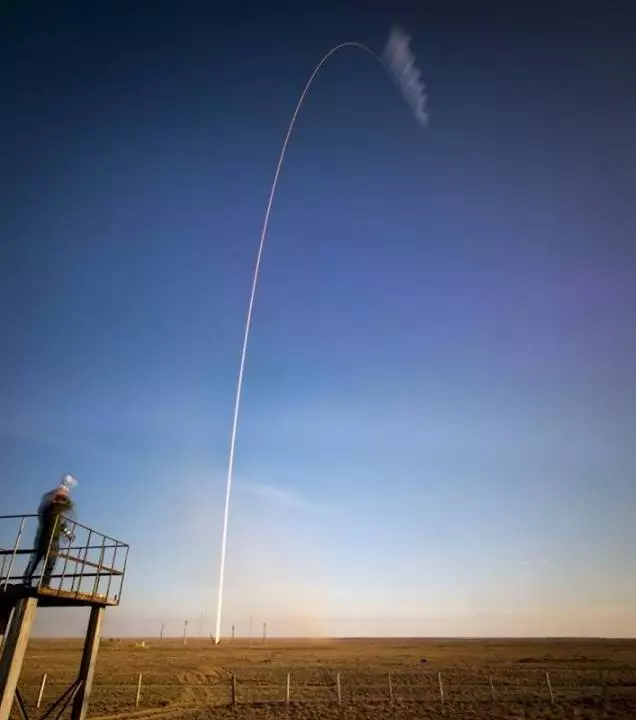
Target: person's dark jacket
[53, 508]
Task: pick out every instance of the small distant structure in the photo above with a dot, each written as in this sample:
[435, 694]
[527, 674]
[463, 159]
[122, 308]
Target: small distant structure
[89, 572]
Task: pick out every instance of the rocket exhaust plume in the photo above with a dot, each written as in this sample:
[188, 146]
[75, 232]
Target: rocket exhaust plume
[400, 63]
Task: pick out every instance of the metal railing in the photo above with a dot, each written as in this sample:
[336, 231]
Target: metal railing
[75, 562]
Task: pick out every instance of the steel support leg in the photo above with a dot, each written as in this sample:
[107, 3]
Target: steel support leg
[89, 660]
[13, 649]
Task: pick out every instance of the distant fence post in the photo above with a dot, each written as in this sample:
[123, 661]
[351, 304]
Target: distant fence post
[441, 687]
[547, 679]
[42, 684]
[493, 694]
[288, 688]
[234, 693]
[138, 697]
[339, 688]
[391, 698]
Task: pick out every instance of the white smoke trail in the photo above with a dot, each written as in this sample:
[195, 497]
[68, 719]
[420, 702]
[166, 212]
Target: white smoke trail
[399, 62]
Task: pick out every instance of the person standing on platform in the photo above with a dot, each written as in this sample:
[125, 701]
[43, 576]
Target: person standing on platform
[55, 506]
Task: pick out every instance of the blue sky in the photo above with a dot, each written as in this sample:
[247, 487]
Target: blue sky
[438, 419]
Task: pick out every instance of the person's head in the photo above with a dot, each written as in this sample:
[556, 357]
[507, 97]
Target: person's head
[67, 483]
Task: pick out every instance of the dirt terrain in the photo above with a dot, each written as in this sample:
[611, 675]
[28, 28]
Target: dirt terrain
[352, 679]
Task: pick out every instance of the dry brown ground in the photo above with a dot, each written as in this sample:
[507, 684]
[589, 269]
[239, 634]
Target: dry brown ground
[590, 679]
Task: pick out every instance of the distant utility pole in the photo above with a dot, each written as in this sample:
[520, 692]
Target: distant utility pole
[185, 632]
[161, 633]
[264, 632]
[233, 632]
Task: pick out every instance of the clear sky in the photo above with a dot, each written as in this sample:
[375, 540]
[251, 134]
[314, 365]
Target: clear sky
[437, 434]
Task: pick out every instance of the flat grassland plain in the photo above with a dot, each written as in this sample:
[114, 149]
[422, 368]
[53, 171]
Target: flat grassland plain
[372, 678]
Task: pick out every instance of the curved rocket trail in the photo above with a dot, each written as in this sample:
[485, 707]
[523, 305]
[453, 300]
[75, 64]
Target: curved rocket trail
[400, 64]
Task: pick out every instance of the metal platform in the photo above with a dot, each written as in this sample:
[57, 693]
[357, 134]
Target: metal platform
[87, 571]
[54, 597]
